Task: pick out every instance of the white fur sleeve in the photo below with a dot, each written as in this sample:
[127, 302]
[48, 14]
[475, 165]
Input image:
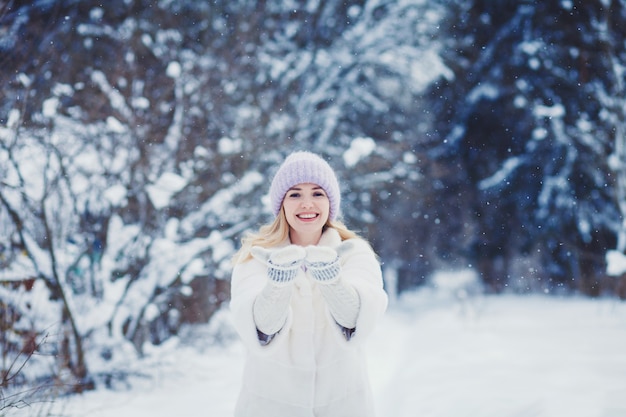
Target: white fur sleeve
[361, 270]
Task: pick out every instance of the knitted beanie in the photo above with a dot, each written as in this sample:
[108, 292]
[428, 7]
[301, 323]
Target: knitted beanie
[305, 167]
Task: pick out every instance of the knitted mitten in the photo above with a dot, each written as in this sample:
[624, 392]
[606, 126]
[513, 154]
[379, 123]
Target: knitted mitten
[272, 304]
[342, 299]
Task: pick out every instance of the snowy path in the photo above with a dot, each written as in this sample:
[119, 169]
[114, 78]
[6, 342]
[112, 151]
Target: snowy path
[501, 356]
[512, 356]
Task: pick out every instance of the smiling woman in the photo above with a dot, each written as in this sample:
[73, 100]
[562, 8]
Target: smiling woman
[306, 293]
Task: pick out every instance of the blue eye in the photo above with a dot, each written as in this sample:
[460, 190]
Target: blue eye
[294, 195]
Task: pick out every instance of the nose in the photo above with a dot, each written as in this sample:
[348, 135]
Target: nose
[306, 202]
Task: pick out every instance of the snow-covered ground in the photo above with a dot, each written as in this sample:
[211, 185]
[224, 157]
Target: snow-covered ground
[434, 355]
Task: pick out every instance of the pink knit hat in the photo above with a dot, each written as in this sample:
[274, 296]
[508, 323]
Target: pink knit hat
[305, 167]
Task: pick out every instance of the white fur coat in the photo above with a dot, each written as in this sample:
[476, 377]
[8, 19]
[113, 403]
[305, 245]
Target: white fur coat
[309, 369]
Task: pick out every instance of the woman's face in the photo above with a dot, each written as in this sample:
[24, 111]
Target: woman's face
[306, 208]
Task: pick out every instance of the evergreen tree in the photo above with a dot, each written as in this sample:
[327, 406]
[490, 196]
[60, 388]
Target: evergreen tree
[526, 128]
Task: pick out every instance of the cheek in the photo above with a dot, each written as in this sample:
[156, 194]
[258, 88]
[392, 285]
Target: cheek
[326, 209]
[288, 208]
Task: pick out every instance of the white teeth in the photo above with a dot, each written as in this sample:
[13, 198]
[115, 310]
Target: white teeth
[307, 216]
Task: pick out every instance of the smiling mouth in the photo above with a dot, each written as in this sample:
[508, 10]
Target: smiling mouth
[307, 216]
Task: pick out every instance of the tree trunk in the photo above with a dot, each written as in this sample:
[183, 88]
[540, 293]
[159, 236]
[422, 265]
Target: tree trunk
[75, 360]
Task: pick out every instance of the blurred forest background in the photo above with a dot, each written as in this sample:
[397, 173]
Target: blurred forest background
[137, 139]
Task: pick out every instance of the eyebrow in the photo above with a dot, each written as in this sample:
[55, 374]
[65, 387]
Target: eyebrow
[300, 189]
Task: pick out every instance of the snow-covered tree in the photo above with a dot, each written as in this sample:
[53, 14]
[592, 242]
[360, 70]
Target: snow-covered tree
[526, 126]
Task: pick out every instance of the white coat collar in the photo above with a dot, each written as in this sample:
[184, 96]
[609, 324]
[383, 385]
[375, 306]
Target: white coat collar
[329, 238]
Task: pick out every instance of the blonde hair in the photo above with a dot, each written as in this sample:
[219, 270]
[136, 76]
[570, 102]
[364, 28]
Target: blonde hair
[277, 232]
